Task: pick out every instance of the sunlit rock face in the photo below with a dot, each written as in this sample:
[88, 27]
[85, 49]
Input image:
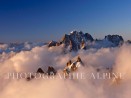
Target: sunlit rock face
[72, 66]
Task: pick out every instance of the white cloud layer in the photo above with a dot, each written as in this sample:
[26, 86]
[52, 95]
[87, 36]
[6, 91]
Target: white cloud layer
[29, 61]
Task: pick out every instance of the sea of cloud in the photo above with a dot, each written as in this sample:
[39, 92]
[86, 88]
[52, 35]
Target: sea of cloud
[118, 58]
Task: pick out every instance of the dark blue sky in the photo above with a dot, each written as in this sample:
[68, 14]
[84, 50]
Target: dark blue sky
[35, 20]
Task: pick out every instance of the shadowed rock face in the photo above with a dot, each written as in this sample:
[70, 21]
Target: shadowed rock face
[129, 41]
[52, 43]
[116, 39]
[88, 37]
[30, 78]
[79, 59]
[51, 71]
[75, 40]
[40, 71]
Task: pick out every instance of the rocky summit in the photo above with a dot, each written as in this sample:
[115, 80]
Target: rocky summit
[116, 39]
[76, 40]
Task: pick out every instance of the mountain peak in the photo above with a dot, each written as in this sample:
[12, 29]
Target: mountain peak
[75, 39]
[116, 39]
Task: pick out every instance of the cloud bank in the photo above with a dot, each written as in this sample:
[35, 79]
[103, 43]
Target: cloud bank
[117, 58]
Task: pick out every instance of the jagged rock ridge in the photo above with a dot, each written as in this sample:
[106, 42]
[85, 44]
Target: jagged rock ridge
[78, 40]
[116, 39]
[75, 40]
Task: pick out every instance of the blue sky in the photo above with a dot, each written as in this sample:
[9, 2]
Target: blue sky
[36, 20]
